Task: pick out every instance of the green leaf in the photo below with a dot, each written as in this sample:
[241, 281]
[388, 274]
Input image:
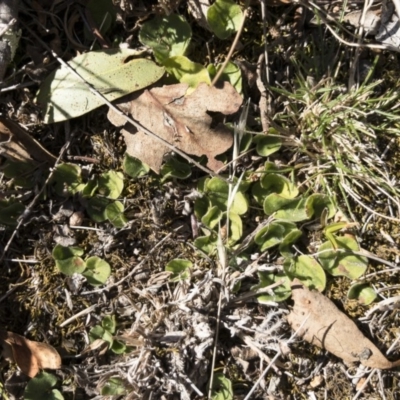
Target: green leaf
[363, 292]
[186, 71]
[297, 210]
[10, 211]
[222, 388]
[63, 253]
[339, 263]
[70, 266]
[218, 191]
[212, 217]
[168, 36]
[278, 184]
[280, 293]
[115, 214]
[285, 247]
[235, 227]
[287, 209]
[259, 193]
[20, 172]
[109, 323]
[207, 244]
[67, 179]
[97, 271]
[110, 184]
[175, 169]
[114, 387]
[134, 167]
[113, 72]
[179, 269]
[201, 207]
[307, 270]
[273, 234]
[224, 18]
[96, 208]
[231, 74]
[317, 203]
[118, 347]
[41, 387]
[98, 332]
[267, 145]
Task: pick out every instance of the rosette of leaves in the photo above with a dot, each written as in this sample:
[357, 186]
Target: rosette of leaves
[169, 37]
[104, 333]
[222, 204]
[101, 194]
[69, 261]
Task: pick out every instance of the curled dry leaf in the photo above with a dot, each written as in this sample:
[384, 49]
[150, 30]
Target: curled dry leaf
[182, 120]
[327, 327]
[30, 356]
[18, 144]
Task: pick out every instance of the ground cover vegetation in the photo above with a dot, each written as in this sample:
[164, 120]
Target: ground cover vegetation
[199, 199]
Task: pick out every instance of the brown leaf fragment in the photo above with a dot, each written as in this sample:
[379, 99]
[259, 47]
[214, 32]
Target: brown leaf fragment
[183, 121]
[327, 327]
[30, 356]
[17, 144]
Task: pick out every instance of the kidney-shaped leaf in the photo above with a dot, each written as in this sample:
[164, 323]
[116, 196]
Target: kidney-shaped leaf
[114, 73]
[307, 270]
[224, 18]
[97, 271]
[342, 263]
[364, 293]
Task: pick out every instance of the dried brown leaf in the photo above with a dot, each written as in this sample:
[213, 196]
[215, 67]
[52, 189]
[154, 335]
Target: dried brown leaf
[30, 356]
[327, 327]
[183, 121]
[16, 143]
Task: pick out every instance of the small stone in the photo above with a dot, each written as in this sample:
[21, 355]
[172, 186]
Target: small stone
[76, 218]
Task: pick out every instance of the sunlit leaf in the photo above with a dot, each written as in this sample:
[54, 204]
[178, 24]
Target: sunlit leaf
[307, 270]
[186, 71]
[97, 271]
[342, 263]
[113, 72]
[222, 388]
[115, 214]
[114, 387]
[224, 18]
[279, 293]
[267, 145]
[179, 269]
[363, 293]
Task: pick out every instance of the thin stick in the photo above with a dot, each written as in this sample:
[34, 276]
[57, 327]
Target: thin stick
[79, 314]
[223, 262]
[232, 49]
[28, 209]
[7, 27]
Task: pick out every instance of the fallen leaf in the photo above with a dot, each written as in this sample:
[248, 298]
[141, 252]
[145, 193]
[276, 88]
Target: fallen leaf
[323, 325]
[17, 144]
[183, 121]
[30, 356]
[113, 72]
